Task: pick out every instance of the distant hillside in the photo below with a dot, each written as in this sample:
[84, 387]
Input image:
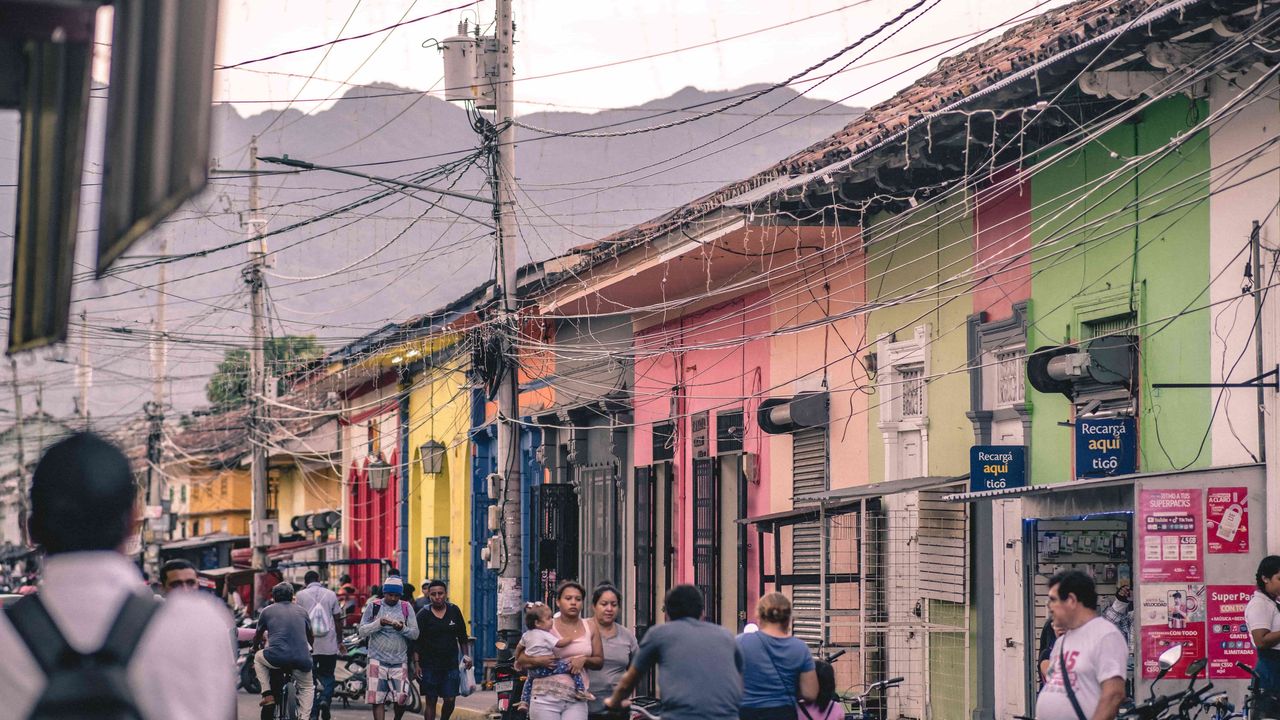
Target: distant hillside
[343, 277]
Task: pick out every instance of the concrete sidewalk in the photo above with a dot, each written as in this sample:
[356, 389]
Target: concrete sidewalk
[478, 706]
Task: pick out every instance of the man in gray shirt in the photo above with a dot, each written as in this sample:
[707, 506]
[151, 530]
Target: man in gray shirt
[390, 627]
[321, 606]
[701, 666]
[288, 646]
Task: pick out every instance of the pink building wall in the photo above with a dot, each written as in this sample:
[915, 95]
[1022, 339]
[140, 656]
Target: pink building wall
[712, 379]
[1003, 260]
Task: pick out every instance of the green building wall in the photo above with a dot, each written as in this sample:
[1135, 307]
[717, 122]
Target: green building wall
[1139, 241]
[937, 245]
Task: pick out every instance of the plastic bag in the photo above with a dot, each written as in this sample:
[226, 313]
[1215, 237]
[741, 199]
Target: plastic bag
[468, 680]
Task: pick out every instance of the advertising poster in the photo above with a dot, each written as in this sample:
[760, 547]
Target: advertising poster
[1228, 639]
[1169, 535]
[1171, 614]
[1226, 519]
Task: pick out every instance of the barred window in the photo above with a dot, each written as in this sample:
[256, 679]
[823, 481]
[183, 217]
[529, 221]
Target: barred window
[912, 397]
[1010, 376]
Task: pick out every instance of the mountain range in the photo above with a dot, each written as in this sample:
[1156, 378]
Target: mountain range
[396, 255]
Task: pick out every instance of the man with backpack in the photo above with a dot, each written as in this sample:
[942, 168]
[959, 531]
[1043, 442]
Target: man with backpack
[94, 642]
[325, 615]
[389, 625]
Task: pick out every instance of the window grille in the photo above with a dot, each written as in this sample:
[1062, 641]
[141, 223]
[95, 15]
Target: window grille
[437, 555]
[599, 524]
[912, 397]
[1010, 376]
[646, 576]
[706, 535]
[1114, 325]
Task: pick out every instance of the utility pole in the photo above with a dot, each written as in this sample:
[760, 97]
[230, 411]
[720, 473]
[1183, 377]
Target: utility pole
[253, 277]
[510, 594]
[155, 411]
[24, 506]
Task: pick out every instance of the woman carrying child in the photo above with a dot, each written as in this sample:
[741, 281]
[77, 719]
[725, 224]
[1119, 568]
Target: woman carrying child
[554, 697]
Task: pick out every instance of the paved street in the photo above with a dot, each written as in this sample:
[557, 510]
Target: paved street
[473, 708]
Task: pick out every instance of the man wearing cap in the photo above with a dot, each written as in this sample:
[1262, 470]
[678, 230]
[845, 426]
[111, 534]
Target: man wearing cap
[390, 627]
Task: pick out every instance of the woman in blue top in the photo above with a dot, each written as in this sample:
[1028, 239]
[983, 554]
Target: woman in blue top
[777, 668]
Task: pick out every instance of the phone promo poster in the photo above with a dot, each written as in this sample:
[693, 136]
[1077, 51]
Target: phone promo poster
[1172, 614]
[1169, 532]
[1227, 520]
[1228, 640]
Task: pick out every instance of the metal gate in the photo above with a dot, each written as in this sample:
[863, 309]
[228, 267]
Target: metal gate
[554, 511]
[599, 523]
[706, 535]
[915, 591]
[809, 476]
[646, 570]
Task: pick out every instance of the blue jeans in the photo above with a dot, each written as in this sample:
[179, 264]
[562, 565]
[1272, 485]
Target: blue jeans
[322, 670]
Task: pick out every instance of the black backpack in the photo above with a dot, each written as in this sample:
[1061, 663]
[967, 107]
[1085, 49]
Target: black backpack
[83, 685]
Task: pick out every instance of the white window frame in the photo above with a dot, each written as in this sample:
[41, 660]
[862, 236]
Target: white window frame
[895, 357]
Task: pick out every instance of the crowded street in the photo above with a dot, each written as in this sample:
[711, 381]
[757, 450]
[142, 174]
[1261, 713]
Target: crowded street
[724, 360]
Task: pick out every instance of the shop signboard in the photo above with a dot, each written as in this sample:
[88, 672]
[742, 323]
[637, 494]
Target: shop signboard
[1172, 614]
[1228, 637]
[1106, 447]
[997, 467]
[1169, 531]
[1226, 519]
[700, 431]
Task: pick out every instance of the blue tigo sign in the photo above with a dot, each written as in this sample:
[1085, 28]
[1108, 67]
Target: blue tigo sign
[1106, 447]
[997, 467]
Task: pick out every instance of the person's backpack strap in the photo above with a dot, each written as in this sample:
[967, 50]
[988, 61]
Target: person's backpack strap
[35, 626]
[1066, 678]
[129, 625]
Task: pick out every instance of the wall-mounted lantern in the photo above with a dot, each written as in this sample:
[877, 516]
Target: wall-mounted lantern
[431, 455]
[379, 474]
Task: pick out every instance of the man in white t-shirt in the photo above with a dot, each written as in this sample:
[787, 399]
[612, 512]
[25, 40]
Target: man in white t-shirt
[1094, 653]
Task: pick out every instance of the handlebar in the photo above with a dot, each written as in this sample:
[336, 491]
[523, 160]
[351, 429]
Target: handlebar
[1245, 667]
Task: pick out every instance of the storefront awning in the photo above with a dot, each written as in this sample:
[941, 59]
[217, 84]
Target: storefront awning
[203, 541]
[223, 572]
[834, 502]
[1092, 484]
[1072, 486]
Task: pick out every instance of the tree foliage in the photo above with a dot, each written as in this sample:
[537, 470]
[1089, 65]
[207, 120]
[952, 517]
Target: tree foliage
[229, 385]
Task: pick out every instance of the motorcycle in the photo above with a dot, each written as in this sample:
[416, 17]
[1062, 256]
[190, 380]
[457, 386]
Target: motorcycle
[350, 676]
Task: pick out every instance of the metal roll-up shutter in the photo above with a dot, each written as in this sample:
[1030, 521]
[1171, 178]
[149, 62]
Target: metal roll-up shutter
[944, 548]
[808, 476]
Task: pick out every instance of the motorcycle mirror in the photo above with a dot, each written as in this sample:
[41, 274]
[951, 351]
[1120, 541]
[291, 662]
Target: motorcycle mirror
[500, 645]
[1195, 668]
[1169, 658]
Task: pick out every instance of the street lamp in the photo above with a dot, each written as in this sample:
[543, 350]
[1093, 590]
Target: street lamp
[431, 455]
[379, 472]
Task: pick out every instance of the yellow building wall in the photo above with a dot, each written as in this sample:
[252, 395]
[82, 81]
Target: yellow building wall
[305, 489]
[218, 495]
[440, 504]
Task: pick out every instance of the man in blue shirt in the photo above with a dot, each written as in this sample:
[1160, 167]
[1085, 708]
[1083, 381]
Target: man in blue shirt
[700, 664]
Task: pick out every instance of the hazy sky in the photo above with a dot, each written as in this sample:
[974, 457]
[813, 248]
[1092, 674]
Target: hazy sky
[564, 35]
